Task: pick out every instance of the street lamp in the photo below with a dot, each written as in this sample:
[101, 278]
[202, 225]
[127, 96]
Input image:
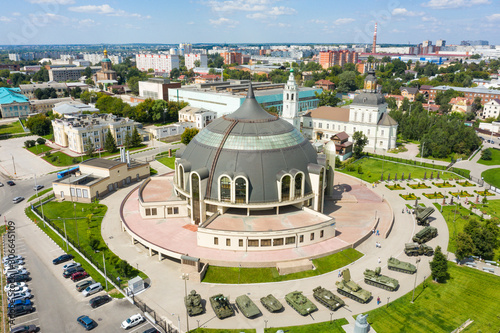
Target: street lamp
[65, 234]
[265, 321]
[178, 321]
[105, 275]
[185, 277]
[415, 283]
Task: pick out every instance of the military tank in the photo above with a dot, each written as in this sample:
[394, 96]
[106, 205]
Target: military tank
[271, 303]
[415, 249]
[247, 306]
[221, 306]
[351, 289]
[300, 303]
[374, 278]
[193, 303]
[425, 235]
[400, 266]
[327, 298]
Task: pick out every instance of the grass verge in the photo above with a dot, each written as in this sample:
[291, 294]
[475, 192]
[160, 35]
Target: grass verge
[492, 176]
[495, 157]
[40, 193]
[39, 149]
[12, 128]
[235, 275]
[330, 327]
[221, 330]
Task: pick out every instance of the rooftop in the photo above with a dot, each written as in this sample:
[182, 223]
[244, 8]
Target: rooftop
[12, 95]
[476, 90]
[101, 163]
[42, 85]
[329, 113]
[83, 179]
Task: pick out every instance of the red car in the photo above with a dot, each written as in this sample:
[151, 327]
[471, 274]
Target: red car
[79, 276]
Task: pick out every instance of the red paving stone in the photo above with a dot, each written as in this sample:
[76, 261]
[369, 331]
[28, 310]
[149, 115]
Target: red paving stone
[159, 189]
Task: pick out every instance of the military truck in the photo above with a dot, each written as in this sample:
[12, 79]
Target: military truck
[193, 303]
[415, 249]
[271, 303]
[400, 266]
[221, 306]
[422, 214]
[300, 303]
[374, 278]
[351, 289]
[425, 235]
[247, 306]
[327, 298]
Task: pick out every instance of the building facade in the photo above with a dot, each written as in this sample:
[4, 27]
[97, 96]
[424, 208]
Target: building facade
[28, 90]
[337, 58]
[198, 116]
[13, 104]
[491, 109]
[191, 58]
[232, 58]
[45, 105]
[486, 95]
[159, 63]
[62, 74]
[156, 88]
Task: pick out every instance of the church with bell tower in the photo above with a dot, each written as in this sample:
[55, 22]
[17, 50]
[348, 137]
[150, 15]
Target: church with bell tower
[106, 75]
[290, 111]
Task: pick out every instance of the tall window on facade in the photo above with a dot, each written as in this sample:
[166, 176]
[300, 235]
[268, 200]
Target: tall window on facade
[320, 191]
[195, 187]
[181, 176]
[241, 190]
[225, 189]
[285, 188]
[298, 185]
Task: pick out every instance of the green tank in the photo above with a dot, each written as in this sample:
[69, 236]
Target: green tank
[271, 303]
[327, 298]
[415, 249]
[247, 306]
[193, 303]
[400, 266]
[422, 214]
[425, 235]
[300, 303]
[351, 289]
[374, 278]
[221, 306]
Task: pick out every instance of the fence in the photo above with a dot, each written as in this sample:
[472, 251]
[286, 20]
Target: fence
[168, 328]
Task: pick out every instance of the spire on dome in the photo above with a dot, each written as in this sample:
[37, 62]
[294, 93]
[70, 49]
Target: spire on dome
[105, 53]
[250, 93]
[250, 109]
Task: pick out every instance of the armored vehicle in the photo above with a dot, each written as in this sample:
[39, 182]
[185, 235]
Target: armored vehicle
[247, 306]
[374, 278]
[349, 288]
[221, 306]
[422, 214]
[300, 303]
[415, 249]
[425, 235]
[400, 266]
[327, 298]
[271, 303]
[193, 303]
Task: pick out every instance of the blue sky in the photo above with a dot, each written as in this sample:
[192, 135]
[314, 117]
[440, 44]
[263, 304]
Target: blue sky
[246, 21]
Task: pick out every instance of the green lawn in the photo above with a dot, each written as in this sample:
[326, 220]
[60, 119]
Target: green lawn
[38, 149]
[469, 293]
[492, 177]
[168, 161]
[40, 193]
[491, 208]
[234, 275]
[372, 170]
[221, 330]
[495, 157]
[324, 327]
[11, 128]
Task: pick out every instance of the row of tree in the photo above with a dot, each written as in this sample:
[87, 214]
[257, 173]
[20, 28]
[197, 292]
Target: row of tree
[478, 239]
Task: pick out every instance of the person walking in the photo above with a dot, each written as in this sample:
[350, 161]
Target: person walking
[378, 300]
[379, 261]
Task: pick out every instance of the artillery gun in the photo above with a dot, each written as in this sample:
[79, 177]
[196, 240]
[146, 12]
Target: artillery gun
[300, 303]
[327, 298]
[400, 266]
[351, 289]
[271, 303]
[193, 303]
[425, 235]
[247, 306]
[422, 214]
[374, 278]
[221, 306]
[415, 249]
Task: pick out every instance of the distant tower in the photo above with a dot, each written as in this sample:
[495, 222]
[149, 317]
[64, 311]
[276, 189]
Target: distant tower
[331, 153]
[290, 101]
[374, 47]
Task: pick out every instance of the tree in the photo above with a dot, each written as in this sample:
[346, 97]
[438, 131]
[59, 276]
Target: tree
[128, 140]
[39, 124]
[465, 246]
[188, 135]
[41, 76]
[109, 143]
[133, 84]
[347, 82]
[136, 139]
[327, 98]
[175, 73]
[197, 63]
[40, 141]
[360, 141]
[439, 266]
[89, 148]
[87, 72]
[486, 155]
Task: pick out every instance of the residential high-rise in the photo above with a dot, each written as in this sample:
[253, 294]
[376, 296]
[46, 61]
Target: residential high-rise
[191, 58]
[160, 63]
[232, 58]
[329, 59]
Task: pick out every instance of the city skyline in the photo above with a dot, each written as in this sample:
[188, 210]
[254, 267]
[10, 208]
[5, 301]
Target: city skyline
[246, 21]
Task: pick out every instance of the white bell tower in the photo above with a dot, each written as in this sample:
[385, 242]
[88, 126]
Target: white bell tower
[290, 102]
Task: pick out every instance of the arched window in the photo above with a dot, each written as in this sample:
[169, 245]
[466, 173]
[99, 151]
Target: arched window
[356, 116]
[225, 189]
[195, 197]
[240, 189]
[292, 96]
[285, 187]
[287, 96]
[321, 190]
[181, 176]
[298, 185]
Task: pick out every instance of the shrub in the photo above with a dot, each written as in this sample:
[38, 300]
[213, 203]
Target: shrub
[40, 141]
[48, 153]
[75, 160]
[360, 169]
[94, 244]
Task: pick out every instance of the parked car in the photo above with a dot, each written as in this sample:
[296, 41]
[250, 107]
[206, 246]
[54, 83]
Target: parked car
[14, 262]
[83, 285]
[20, 310]
[151, 330]
[67, 273]
[92, 289]
[19, 296]
[99, 300]
[10, 183]
[86, 322]
[38, 187]
[11, 257]
[79, 276]
[132, 321]
[14, 285]
[70, 265]
[18, 278]
[19, 302]
[17, 199]
[1, 185]
[11, 272]
[11, 267]
[62, 258]
[17, 290]
[24, 329]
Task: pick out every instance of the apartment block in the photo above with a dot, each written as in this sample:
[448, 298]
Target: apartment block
[160, 63]
[191, 58]
[329, 59]
[69, 73]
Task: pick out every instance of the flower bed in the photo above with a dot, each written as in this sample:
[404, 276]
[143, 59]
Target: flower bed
[485, 193]
[465, 183]
[462, 194]
[410, 196]
[394, 187]
[444, 184]
[418, 186]
[435, 195]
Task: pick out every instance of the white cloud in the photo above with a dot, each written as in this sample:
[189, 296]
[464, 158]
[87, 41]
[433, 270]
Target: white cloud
[429, 19]
[405, 12]
[6, 19]
[44, 18]
[341, 21]
[224, 21]
[280, 25]
[239, 5]
[190, 22]
[493, 17]
[16, 14]
[397, 31]
[318, 21]
[442, 4]
[53, 2]
[86, 22]
[272, 12]
[106, 10]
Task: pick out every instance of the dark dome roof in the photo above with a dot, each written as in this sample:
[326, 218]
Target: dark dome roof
[370, 99]
[258, 145]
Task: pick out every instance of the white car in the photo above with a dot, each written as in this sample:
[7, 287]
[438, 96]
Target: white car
[70, 265]
[17, 199]
[17, 290]
[14, 262]
[16, 271]
[1, 184]
[132, 321]
[14, 285]
[9, 267]
[11, 258]
[19, 295]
